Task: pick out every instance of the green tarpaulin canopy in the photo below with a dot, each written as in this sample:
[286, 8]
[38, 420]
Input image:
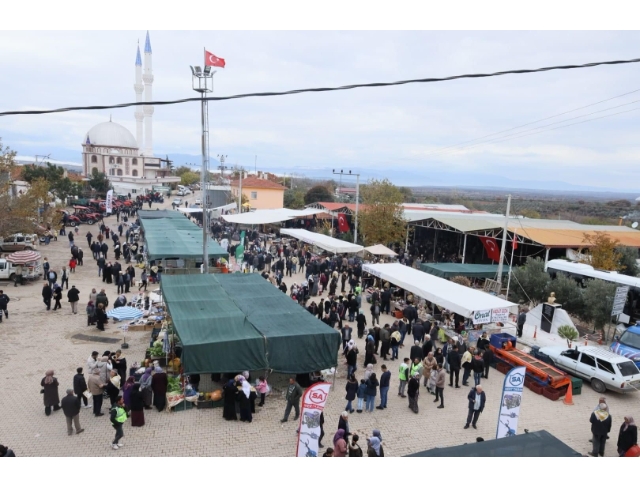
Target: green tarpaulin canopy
[170, 235]
[235, 322]
[448, 270]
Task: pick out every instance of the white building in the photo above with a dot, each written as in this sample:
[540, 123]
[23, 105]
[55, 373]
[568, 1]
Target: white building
[112, 149]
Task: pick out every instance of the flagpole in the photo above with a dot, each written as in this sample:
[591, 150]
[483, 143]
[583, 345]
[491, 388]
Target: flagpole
[504, 242]
[511, 264]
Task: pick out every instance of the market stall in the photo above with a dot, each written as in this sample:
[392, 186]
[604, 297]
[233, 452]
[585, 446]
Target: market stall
[380, 251]
[263, 217]
[324, 242]
[447, 270]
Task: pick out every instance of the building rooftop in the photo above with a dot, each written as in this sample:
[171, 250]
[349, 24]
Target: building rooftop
[257, 183]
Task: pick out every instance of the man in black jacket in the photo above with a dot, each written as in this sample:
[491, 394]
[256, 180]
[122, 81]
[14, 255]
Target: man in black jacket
[487, 357]
[4, 301]
[454, 361]
[47, 293]
[293, 395]
[74, 296]
[416, 351]
[477, 399]
[71, 409]
[80, 386]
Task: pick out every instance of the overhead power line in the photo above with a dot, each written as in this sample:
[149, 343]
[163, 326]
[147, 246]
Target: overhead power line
[317, 90]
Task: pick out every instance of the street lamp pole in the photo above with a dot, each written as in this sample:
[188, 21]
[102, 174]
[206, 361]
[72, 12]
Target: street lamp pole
[202, 82]
[342, 173]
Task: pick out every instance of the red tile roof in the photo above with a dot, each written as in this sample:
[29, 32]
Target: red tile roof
[257, 183]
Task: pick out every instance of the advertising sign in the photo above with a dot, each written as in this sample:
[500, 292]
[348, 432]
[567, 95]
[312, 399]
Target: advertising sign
[313, 402]
[497, 315]
[510, 402]
[109, 203]
[619, 300]
[482, 317]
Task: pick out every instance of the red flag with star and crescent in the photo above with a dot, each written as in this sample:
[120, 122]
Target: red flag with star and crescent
[213, 60]
[343, 225]
[491, 246]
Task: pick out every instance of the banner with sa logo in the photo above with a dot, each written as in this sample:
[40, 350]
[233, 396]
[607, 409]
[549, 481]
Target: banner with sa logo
[510, 402]
[313, 401]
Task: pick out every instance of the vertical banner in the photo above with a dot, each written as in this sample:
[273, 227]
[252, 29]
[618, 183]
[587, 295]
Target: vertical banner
[109, 203]
[313, 401]
[510, 402]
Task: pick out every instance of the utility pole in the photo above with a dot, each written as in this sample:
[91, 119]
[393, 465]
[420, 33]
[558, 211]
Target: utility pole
[240, 192]
[504, 240]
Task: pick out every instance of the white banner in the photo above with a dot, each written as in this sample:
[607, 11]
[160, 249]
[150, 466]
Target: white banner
[313, 401]
[109, 203]
[510, 402]
[497, 315]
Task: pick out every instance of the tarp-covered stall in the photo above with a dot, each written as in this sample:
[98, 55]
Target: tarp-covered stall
[235, 322]
[447, 270]
[325, 242]
[535, 444]
[454, 297]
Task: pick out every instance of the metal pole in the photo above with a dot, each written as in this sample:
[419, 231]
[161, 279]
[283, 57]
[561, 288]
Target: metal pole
[355, 233]
[504, 240]
[406, 242]
[510, 266]
[203, 179]
[240, 193]
[464, 248]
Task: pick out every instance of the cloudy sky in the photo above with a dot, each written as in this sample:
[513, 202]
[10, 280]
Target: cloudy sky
[405, 133]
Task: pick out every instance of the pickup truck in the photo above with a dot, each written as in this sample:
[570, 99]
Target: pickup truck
[10, 271]
[17, 242]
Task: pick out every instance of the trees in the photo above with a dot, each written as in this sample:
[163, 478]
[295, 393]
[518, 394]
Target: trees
[294, 199]
[59, 184]
[381, 220]
[318, 193]
[189, 177]
[627, 260]
[99, 182]
[529, 213]
[603, 251]
[598, 301]
[568, 294]
[531, 281]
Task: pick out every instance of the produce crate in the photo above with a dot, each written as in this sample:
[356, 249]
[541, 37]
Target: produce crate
[399, 314]
[209, 404]
[551, 393]
[576, 383]
[535, 388]
[504, 368]
[181, 406]
[497, 339]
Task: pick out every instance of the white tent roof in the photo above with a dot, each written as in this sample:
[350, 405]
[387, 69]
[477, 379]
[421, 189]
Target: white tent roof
[588, 271]
[262, 217]
[380, 249]
[454, 297]
[230, 206]
[323, 241]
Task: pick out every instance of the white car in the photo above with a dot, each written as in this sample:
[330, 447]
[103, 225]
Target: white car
[198, 202]
[604, 369]
[177, 201]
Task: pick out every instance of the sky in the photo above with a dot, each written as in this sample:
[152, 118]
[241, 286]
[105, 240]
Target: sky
[403, 133]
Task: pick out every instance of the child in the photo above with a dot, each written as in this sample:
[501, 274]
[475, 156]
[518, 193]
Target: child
[263, 389]
[361, 393]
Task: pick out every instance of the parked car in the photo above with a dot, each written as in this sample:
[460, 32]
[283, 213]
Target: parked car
[198, 202]
[18, 242]
[31, 271]
[627, 344]
[604, 369]
[177, 201]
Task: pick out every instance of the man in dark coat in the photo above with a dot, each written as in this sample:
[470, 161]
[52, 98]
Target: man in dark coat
[4, 301]
[477, 399]
[47, 294]
[71, 408]
[416, 351]
[600, 428]
[101, 298]
[418, 331]
[522, 319]
[293, 395]
[74, 296]
[455, 363]
[104, 248]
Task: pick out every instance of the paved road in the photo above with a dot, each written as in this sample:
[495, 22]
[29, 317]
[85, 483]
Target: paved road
[34, 340]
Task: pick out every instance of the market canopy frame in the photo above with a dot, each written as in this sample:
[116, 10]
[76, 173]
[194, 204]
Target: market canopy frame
[462, 300]
[325, 242]
[228, 323]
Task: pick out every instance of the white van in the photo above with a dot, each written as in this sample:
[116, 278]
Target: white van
[604, 369]
[10, 271]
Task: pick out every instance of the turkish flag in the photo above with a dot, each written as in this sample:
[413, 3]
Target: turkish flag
[213, 60]
[491, 246]
[343, 225]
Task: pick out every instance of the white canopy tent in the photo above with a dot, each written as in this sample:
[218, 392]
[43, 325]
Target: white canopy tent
[323, 241]
[454, 297]
[230, 206]
[263, 217]
[380, 249]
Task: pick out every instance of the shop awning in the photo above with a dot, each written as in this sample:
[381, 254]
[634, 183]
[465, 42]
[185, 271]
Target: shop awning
[263, 217]
[325, 242]
[448, 270]
[233, 322]
[380, 249]
[454, 297]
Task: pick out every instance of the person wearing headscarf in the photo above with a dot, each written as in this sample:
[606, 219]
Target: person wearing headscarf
[50, 391]
[428, 365]
[628, 435]
[145, 387]
[120, 300]
[377, 434]
[229, 392]
[413, 391]
[127, 389]
[368, 371]
[113, 387]
[137, 405]
[339, 444]
[375, 448]
[343, 424]
[600, 428]
[244, 399]
[369, 349]
[159, 385]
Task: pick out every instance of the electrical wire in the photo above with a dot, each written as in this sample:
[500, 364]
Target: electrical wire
[318, 90]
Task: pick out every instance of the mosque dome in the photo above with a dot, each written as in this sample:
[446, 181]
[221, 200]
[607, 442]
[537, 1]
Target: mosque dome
[111, 134]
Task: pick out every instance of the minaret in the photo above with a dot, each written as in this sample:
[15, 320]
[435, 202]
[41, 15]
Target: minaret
[147, 77]
[138, 87]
